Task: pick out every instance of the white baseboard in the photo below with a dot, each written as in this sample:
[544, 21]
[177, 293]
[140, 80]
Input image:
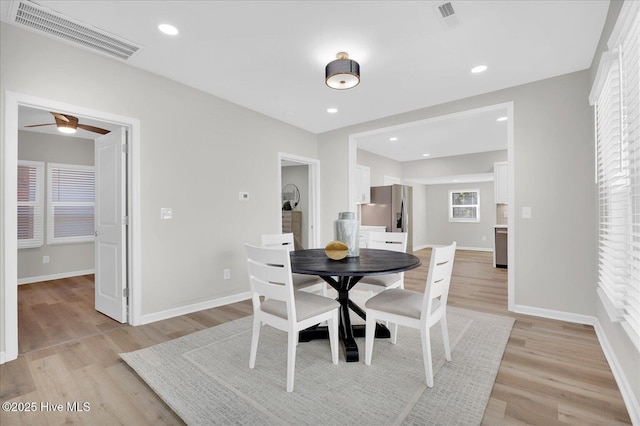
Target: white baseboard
[630, 400]
[424, 246]
[189, 309]
[59, 276]
[3, 357]
[557, 315]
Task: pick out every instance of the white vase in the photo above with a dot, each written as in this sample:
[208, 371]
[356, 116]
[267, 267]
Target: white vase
[347, 230]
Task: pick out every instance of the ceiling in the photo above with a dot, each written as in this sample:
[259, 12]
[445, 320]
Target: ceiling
[269, 56]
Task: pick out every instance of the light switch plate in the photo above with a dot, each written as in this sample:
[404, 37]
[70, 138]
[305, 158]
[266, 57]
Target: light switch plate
[526, 212]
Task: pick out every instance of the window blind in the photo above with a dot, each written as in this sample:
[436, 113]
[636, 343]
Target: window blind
[617, 109]
[630, 76]
[71, 203]
[30, 204]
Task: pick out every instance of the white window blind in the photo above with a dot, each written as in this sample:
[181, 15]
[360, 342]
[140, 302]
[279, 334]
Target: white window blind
[71, 196]
[616, 96]
[30, 203]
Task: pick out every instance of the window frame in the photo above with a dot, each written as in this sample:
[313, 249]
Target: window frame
[51, 205]
[476, 205]
[37, 204]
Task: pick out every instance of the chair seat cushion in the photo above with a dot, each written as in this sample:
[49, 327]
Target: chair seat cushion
[303, 280]
[307, 305]
[398, 301]
[385, 280]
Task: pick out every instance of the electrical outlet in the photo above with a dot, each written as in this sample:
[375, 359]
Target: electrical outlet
[45, 259]
[227, 274]
[484, 238]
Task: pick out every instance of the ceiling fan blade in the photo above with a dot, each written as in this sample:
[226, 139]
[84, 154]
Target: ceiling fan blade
[59, 116]
[93, 129]
[38, 125]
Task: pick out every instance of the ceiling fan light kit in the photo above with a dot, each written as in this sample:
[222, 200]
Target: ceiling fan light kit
[69, 124]
[342, 73]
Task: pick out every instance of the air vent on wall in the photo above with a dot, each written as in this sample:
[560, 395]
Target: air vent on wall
[449, 16]
[446, 10]
[44, 21]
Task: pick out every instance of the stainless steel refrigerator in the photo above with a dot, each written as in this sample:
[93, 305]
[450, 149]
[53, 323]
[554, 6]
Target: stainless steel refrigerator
[391, 206]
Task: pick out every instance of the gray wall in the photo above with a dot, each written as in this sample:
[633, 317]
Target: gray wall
[379, 166]
[555, 250]
[65, 259]
[196, 170]
[182, 259]
[467, 235]
[481, 162]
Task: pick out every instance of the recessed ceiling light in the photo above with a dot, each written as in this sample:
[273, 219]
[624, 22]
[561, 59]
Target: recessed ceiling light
[332, 110]
[426, 155]
[393, 139]
[168, 29]
[478, 69]
[502, 118]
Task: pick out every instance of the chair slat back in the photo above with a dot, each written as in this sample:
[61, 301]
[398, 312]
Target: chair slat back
[439, 277]
[396, 241]
[278, 241]
[270, 272]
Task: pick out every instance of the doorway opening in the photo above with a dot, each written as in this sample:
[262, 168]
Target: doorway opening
[131, 238]
[299, 181]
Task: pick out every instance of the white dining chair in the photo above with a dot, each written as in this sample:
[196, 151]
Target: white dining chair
[278, 304]
[416, 310]
[310, 283]
[396, 241]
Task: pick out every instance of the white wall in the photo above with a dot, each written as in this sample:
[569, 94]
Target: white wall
[64, 259]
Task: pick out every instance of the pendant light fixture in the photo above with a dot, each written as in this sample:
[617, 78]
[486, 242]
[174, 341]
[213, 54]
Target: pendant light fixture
[342, 73]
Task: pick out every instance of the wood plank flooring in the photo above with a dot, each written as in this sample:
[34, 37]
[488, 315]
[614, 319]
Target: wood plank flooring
[552, 373]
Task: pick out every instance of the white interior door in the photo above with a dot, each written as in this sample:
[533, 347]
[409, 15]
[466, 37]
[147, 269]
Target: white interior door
[110, 212]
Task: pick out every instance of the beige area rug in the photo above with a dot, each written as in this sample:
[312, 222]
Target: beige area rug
[205, 377]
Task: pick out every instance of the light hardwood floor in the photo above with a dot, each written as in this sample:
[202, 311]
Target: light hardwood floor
[552, 372]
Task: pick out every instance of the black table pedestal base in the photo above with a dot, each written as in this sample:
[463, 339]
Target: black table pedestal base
[348, 332]
[348, 345]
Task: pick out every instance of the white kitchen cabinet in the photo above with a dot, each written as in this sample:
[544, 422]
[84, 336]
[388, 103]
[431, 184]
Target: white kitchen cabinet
[501, 182]
[364, 184]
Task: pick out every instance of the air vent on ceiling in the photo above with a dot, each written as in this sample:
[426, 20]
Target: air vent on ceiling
[446, 10]
[44, 21]
[447, 14]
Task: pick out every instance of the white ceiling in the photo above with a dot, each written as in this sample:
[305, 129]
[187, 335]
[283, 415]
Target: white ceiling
[269, 56]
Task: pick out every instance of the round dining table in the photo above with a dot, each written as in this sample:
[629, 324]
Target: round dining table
[343, 275]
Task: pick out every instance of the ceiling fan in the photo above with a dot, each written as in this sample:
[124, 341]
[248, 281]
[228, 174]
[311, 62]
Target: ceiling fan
[68, 124]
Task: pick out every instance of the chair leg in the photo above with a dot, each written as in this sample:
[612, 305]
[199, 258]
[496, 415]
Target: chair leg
[394, 332]
[332, 324]
[254, 341]
[369, 334]
[426, 355]
[291, 360]
[445, 337]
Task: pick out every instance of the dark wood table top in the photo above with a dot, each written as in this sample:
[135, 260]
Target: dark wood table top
[370, 262]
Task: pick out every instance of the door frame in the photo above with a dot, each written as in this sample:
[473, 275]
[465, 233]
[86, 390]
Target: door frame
[314, 192]
[9, 327]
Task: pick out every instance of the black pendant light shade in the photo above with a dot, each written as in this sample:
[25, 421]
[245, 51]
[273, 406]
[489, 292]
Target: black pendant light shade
[342, 73]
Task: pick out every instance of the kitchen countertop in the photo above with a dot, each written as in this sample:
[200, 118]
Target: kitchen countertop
[501, 226]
